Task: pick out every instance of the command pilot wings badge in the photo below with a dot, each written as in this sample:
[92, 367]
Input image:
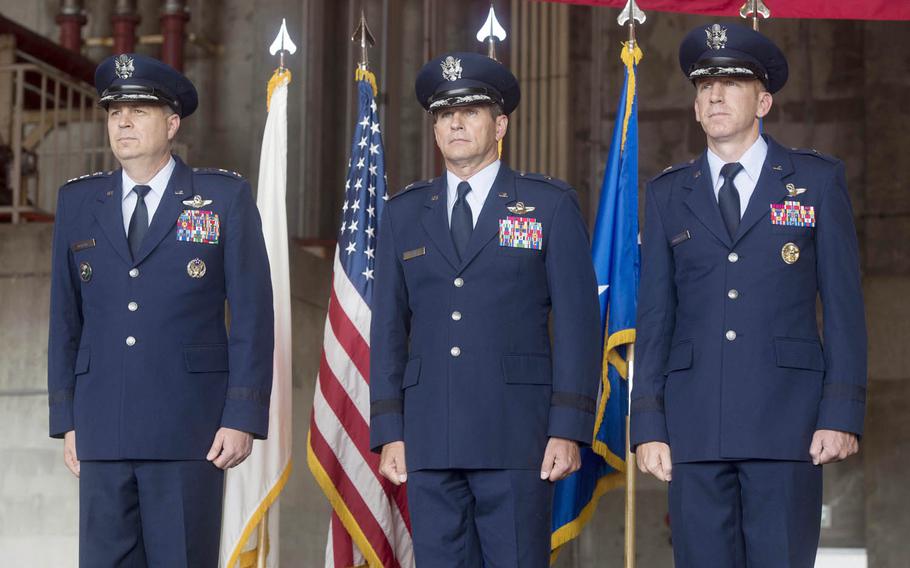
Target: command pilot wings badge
[793, 191]
[520, 208]
[197, 201]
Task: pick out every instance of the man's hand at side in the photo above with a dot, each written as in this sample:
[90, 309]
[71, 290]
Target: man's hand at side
[561, 458]
[391, 463]
[230, 448]
[69, 452]
[830, 446]
[654, 458]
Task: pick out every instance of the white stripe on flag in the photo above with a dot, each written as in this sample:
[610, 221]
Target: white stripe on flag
[360, 473]
[351, 301]
[346, 372]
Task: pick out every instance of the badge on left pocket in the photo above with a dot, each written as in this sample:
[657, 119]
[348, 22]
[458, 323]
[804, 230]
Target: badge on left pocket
[196, 226]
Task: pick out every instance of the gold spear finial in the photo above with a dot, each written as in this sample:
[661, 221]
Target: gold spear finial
[490, 32]
[282, 44]
[631, 14]
[754, 9]
[364, 36]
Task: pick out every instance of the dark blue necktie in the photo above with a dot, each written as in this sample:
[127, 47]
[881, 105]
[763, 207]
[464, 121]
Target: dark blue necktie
[139, 222]
[462, 220]
[728, 197]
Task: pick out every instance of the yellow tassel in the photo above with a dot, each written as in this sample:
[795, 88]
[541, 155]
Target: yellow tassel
[361, 74]
[631, 58]
[279, 77]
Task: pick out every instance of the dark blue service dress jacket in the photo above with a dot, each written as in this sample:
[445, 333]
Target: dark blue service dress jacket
[140, 362]
[463, 369]
[728, 359]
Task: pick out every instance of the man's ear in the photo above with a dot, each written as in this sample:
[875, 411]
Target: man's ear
[502, 125]
[173, 125]
[765, 101]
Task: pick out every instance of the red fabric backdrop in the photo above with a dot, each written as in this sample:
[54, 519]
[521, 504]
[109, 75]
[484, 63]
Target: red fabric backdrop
[835, 9]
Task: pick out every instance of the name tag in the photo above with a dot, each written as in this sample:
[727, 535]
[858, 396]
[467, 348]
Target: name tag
[792, 214]
[82, 245]
[197, 226]
[680, 238]
[521, 232]
[414, 253]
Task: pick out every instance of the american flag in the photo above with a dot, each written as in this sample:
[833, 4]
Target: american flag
[370, 522]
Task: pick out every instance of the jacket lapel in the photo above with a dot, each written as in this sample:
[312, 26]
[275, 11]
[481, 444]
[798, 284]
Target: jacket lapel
[487, 225]
[179, 187]
[108, 211]
[702, 203]
[435, 221]
[769, 189]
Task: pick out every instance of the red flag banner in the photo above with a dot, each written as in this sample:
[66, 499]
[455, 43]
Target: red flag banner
[820, 9]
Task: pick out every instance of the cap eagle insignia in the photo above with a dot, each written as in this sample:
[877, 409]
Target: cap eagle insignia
[123, 66]
[451, 68]
[717, 37]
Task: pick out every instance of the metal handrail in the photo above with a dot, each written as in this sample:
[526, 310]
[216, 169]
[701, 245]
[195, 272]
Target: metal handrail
[66, 136]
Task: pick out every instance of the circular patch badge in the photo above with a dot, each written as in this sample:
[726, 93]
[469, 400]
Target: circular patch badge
[85, 271]
[790, 253]
[196, 268]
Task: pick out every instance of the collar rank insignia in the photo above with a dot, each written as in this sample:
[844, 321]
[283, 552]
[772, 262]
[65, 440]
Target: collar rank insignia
[520, 208]
[123, 66]
[793, 191]
[197, 201]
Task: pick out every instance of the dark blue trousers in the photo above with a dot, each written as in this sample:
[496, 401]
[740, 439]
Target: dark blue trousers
[149, 514]
[751, 513]
[497, 518]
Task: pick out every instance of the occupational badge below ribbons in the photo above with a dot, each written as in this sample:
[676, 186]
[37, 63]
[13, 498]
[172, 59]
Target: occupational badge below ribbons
[198, 226]
[196, 268]
[85, 271]
[792, 214]
[520, 232]
[790, 253]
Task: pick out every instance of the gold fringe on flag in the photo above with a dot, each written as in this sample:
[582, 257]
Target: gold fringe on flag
[361, 74]
[279, 77]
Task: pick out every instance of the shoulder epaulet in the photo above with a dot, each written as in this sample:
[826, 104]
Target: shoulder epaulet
[674, 168]
[815, 153]
[218, 171]
[412, 187]
[89, 176]
[546, 179]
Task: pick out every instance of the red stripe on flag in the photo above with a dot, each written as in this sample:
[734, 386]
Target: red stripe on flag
[352, 498]
[349, 338]
[342, 545]
[341, 404]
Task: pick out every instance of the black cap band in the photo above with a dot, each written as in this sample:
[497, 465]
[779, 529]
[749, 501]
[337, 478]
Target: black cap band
[467, 95]
[137, 93]
[727, 67]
